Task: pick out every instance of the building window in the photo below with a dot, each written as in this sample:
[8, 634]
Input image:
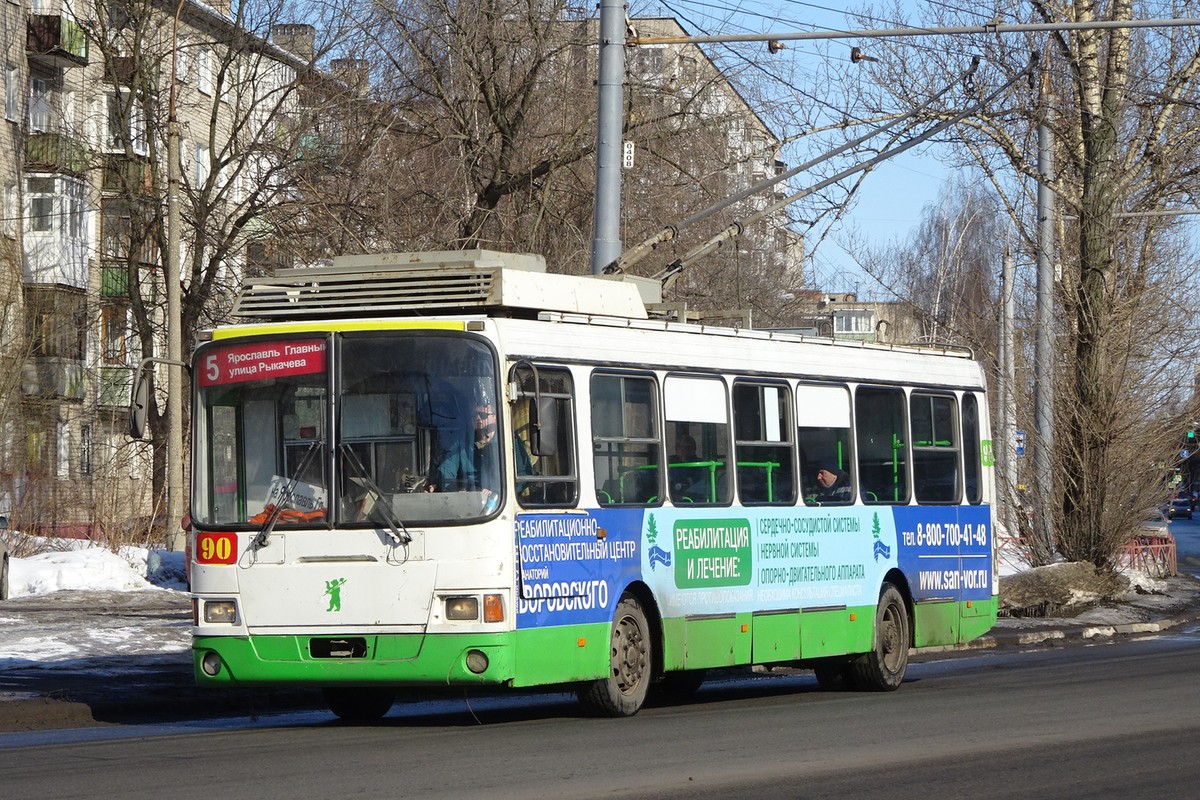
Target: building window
[40, 194]
[856, 322]
[56, 322]
[12, 94]
[121, 230]
[204, 70]
[126, 123]
[202, 164]
[85, 450]
[63, 465]
[114, 330]
[39, 104]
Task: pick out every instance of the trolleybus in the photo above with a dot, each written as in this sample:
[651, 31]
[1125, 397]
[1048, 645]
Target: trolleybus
[457, 469]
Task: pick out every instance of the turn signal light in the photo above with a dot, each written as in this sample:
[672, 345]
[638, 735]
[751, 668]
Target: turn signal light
[493, 608]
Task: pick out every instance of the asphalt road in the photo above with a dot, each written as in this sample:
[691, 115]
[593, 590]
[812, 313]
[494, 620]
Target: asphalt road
[1110, 721]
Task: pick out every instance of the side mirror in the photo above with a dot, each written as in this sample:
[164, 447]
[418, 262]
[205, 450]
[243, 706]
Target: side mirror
[139, 398]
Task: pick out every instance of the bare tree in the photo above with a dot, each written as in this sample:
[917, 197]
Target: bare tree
[238, 100]
[480, 132]
[1122, 113]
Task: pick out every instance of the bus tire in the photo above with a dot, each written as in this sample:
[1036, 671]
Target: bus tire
[631, 665]
[882, 669]
[358, 704]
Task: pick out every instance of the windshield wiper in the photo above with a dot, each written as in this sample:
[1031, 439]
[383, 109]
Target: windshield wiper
[395, 528]
[285, 497]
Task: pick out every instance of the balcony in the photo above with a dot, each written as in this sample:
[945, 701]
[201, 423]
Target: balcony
[54, 379]
[115, 386]
[56, 41]
[55, 152]
[129, 176]
[124, 71]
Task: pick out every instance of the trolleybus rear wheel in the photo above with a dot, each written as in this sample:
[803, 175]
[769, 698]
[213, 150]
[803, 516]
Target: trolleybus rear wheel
[357, 704]
[631, 661]
[882, 669]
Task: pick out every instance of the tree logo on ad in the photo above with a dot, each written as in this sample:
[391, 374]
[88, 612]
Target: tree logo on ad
[657, 554]
[333, 588]
[880, 548]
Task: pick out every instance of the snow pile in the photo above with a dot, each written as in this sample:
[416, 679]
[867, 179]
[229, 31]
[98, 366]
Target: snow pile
[87, 567]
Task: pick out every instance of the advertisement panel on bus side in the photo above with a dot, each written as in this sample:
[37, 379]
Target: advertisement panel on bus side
[572, 568]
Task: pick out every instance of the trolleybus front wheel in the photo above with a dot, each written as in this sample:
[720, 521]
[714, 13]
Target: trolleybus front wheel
[631, 661]
[357, 704]
[882, 669]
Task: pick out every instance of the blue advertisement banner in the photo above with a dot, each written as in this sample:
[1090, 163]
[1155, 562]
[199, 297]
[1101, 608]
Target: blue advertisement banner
[572, 567]
[945, 551]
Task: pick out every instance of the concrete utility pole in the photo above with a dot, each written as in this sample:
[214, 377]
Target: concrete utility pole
[175, 539]
[1044, 343]
[1008, 397]
[606, 221]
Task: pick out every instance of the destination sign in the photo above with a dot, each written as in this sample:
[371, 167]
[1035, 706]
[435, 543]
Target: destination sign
[259, 361]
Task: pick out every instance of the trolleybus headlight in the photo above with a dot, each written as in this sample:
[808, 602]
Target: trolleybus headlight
[211, 664]
[220, 611]
[462, 608]
[477, 661]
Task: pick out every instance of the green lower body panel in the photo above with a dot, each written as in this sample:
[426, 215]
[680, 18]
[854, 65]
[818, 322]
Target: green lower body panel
[978, 618]
[948, 623]
[936, 623]
[523, 658]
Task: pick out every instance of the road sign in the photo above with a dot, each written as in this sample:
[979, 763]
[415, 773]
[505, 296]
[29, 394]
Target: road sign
[1019, 442]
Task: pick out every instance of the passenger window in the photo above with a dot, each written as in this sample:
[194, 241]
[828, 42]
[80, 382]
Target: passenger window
[972, 461]
[625, 440]
[544, 443]
[764, 444]
[934, 447]
[697, 414]
[882, 444]
[823, 435]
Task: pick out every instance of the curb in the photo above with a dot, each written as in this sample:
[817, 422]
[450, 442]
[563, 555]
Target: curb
[1061, 635]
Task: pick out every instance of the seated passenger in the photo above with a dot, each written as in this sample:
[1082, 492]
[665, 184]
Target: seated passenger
[834, 485]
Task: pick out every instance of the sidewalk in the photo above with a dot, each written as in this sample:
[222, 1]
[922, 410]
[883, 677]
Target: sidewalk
[148, 678]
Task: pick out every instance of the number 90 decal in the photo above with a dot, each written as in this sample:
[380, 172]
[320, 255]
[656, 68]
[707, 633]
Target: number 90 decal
[216, 548]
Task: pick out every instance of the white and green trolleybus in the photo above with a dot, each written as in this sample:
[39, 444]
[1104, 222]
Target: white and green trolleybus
[457, 469]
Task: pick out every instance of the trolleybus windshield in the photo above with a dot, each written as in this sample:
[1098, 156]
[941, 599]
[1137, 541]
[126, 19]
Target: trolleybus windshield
[410, 422]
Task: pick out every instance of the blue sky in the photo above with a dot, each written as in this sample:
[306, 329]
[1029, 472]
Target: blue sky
[890, 202]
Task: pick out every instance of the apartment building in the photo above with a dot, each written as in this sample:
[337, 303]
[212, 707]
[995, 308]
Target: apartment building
[83, 183]
[729, 147]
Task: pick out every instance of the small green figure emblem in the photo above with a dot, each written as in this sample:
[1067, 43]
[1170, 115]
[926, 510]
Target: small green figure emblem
[333, 588]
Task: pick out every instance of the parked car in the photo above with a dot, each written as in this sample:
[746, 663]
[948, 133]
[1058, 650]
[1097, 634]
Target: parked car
[1180, 506]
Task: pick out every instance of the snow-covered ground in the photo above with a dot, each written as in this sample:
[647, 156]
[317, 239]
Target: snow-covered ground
[87, 602]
